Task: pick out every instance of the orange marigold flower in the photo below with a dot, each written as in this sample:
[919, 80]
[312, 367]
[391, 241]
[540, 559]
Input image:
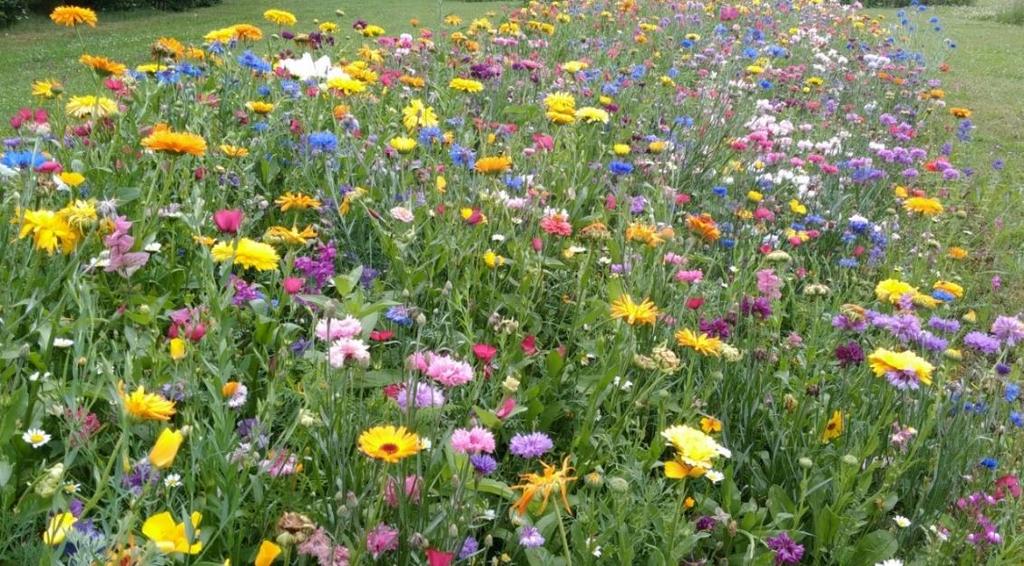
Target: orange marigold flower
[493, 165]
[71, 16]
[704, 226]
[177, 143]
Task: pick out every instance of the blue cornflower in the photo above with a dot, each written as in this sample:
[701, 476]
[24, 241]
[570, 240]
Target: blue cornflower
[462, 156]
[1017, 419]
[620, 168]
[990, 463]
[1011, 391]
[430, 134]
[22, 159]
[250, 60]
[322, 141]
[399, 315]
[719, 190]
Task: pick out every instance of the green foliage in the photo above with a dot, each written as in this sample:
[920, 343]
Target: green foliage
[1012, 14]
[11, 11]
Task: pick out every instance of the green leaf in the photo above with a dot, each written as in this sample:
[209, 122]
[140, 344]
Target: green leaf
[873, 548]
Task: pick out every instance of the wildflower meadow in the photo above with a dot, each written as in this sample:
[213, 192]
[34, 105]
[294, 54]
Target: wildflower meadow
[651, 282]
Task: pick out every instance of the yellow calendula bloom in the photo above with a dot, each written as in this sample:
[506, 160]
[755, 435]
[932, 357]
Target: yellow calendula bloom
[561, 107]
[710, 425]
[49, 230]
[389, 443]
[620, 149]
[695, 452]
[592, 115]
[47, 88]
[883, 362]
[892, 290]
[297, 201]
[280, 17]
[58, 528]
[646, 233]
[166, 448]
[90, 107]
[493, 165]
[267, 553]
[289, 236]
[170, 536]
[79, 213]
[233, 150]
[403, 144]
[466, 85]
[346, 85]
[72, 178]
[833, 428]
[328, 27]
[704, 226]
[633, 313]
[701, 343]
[373, 31]
[493, 260]
[175, 143]
[145, 406]
[924, 206]
[797, 208]
[248, 254]
[71, 16]
[260, 107]
[552, 479]
[960, 112]
[949, 287]
[956, 252]
[418, 115]
[168, 47]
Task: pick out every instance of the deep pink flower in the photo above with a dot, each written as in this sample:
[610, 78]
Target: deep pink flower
[228, 220]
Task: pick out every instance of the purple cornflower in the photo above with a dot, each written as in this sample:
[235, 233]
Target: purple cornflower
[483, 464]
[717, 328]
[787, 551]
[141, 474]
[319, 267]
[932, 342]
[706, 523]
[981, 342]
[530, 537]
[469, 548]
[1009, 329]
[904, 327]
[426, 395]
[905, 379]
[530, 445]
[849, 354]
[947, 325]
[244, 292]
[759, 306]
[843, 322]
[637, 205]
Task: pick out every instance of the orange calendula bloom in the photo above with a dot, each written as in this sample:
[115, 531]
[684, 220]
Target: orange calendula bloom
[633, 313]
[704, 226]
[175, 143]
[545, 483]
[960, 112]
[102, 65]
[701, 343]
[389, 443]
[923, 205]
[71, 16]
[297, 201]
[280, 17]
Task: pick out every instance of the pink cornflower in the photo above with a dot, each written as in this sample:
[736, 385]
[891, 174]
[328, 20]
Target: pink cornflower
[345, 349]
[768, 284]
[383, 538]
[331, 329]
[449, 371]
[690, 276]
[474, 441]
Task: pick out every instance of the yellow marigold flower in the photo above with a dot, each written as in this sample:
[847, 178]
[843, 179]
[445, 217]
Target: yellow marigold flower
[150, 68]
[171, 537]
[960, 112]
[297, 201]
[833, 428]
[79, 213]
[452, 20]
[233, 150]
[646, 233]
[58, 528]
[657, 146]
[267, 553]
[246, 32]
[892, 290]
[49, 230]
[493, 165]
[260, 107]
[704, 226]
[389, 443]
[412, 81]
[47, 88]
[72, 178]
[755, 196]
[493, 260]
[591, 115]
[71, 16]
[220, 35]
[797, 208]
[418, 115]
[372, 31]
[102, 65]
[145, 406]
[346, 85]
[90, 107]
[884, 362]
[574, 66]
[166, 448]
[175, 143]
[403, 144]
[289, 236]
[546, 483]
[695, 452]
[923, 205]
[465, 85]
[248, 254]
[632, 313]
[168, 47]
[561, 107]
[956, 252]
[950, 287]
[620, 149]
[701, 343]
[710, 425]
[361, 70]
[280, 17]
[328, 27]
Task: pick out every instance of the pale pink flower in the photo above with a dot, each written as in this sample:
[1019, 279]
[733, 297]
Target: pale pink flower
[331, 329]
[448, 371]
[402, 214]
[345, 349]
[691, 276]
[474, 441]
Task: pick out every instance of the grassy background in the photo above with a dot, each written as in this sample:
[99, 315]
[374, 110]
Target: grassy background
[37, 49]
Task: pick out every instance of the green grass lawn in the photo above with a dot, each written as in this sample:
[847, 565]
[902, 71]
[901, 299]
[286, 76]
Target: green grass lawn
[37, 49]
